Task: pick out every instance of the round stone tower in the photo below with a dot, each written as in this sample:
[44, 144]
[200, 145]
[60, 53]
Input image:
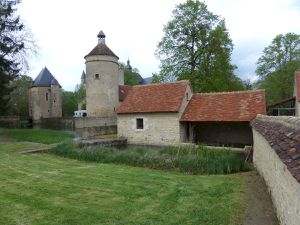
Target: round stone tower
[102, 80]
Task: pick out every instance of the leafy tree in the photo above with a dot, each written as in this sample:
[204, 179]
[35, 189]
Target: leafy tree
[277, 65]
[283, 49]
[14, 43]
[80, 96]
[131, 77]
[69, 103]
[18, 103]
[196, 46]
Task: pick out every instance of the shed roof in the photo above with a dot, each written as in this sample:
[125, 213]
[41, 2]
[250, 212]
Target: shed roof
[166, 97]
[44, 79]
[225, 106]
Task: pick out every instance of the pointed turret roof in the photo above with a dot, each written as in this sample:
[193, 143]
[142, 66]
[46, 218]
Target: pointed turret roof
[54, 82]
[43, 79]
[101, 48]
[83, 75]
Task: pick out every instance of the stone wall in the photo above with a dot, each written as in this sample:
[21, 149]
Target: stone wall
[55, 123]
[159, 128]
[90, 127]
[45, 102]
[10, 121]
[277, 159]
[102, 85]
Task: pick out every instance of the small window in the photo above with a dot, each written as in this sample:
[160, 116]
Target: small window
[47, 96]
[139, 123]
[187, 96]
[96, 76]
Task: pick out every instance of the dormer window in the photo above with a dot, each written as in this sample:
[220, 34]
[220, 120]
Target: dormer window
[97, 76]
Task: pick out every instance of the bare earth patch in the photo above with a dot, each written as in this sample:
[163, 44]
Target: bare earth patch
[259, 207]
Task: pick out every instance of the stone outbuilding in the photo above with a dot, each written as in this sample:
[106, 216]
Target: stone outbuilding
[150, 114]
[223, 118]
[45, 97]
[170, 114]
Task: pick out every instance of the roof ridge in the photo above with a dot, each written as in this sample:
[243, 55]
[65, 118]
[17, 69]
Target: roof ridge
[157, 84]
[229, 92]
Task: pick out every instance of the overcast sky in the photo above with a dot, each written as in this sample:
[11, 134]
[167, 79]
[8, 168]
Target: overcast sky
[66, 31]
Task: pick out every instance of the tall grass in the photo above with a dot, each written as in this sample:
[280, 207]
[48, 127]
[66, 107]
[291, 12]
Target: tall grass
[187, 160]
[37, 135]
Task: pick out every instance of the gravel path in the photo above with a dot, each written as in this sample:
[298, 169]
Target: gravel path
[259, 206]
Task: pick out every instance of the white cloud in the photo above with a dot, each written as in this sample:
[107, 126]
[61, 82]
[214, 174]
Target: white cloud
[66, 31]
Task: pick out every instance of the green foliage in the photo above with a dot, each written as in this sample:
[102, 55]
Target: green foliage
[45, 189]
[18, 103]
[69, 103]
[80, 95]
[13, 46]
[277, 65]
[283, 49]
[131, 77]
[278, 85]
[196, 46]
[37, 135]
[186, 160]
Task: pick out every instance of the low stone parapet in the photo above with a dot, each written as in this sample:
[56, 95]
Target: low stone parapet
[277, 158]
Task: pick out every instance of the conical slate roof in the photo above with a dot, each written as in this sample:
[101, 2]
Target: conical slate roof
[44, 79]
[83, 75]
[102, 49]
[54, 82]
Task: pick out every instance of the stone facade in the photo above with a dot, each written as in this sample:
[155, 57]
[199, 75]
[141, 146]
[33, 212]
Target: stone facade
[45, 102]
[102, 85]
[276, 161]
[89, 127]
[297, 93]
[159, 128]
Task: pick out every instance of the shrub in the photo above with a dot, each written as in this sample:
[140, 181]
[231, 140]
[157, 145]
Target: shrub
[187, 160]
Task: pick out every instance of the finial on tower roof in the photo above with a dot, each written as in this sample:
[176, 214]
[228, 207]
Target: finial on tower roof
[101, 37]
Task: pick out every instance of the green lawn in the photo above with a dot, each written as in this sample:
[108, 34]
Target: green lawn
[48, 189]
[37, 135]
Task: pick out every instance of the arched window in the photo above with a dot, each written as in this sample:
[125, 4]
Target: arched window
[97, 76]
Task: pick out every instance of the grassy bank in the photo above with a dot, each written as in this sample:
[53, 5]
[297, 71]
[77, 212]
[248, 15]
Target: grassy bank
[36, 135]
[187, 160]
[46, 189]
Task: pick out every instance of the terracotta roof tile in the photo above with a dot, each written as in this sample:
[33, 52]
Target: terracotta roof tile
[297, 81]
[225, 106]
[102, 49]
[166, 97]
[284, 140]
[123, 91]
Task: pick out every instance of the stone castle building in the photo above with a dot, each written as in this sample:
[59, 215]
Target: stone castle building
[163, 114]
[103, 77]
[45, 97]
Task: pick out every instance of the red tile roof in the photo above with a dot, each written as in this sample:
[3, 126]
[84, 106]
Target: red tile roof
[297, 81]
[225, 106]
[123, 91]
[166, 97]
[283, 138]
